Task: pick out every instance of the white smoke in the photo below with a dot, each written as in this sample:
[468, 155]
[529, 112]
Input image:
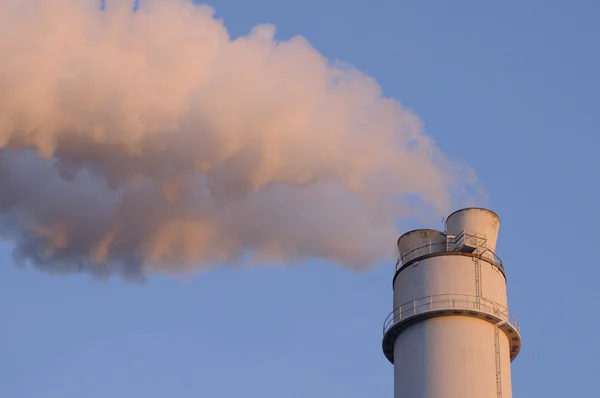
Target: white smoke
[152, 140]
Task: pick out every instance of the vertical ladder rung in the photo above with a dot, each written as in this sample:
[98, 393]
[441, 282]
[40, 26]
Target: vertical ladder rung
[498, 364]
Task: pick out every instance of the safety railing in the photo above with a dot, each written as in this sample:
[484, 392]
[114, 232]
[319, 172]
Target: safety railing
[482, 250]
[461, 238]
[449, 245]
[448, 301]
[424, 249]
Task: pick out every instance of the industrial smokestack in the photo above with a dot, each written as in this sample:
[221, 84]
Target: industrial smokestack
[450, 334]
[152, 141]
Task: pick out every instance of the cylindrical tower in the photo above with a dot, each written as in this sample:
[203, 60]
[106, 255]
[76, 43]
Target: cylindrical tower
[450, 334]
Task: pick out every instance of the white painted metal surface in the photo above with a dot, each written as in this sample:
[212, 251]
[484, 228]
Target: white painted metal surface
[450, 357]
[450, 334]
[449, 274]
[483, 222]
[420, 242]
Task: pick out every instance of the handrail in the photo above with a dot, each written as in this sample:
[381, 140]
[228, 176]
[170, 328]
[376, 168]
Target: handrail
[448, 301]
[430, 245]
[448, 246]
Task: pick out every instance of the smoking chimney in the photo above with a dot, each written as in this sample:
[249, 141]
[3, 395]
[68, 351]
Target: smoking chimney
[450, 334]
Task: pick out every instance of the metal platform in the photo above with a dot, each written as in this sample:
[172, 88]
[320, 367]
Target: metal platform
[447, 305]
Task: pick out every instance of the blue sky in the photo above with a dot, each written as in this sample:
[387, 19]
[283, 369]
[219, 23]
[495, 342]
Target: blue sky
[509, 87]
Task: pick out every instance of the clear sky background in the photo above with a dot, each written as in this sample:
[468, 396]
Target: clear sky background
[509, 87]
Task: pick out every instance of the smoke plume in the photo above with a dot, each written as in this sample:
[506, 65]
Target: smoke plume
[152, 141]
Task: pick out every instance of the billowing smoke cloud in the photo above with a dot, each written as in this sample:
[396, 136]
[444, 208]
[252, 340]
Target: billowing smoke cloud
[153, 141]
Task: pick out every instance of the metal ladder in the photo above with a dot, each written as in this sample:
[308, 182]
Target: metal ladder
[498, 364]
[479, 250]
[477, 265]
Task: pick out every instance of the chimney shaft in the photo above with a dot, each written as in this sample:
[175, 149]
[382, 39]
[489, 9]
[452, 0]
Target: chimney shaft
[450, 334]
